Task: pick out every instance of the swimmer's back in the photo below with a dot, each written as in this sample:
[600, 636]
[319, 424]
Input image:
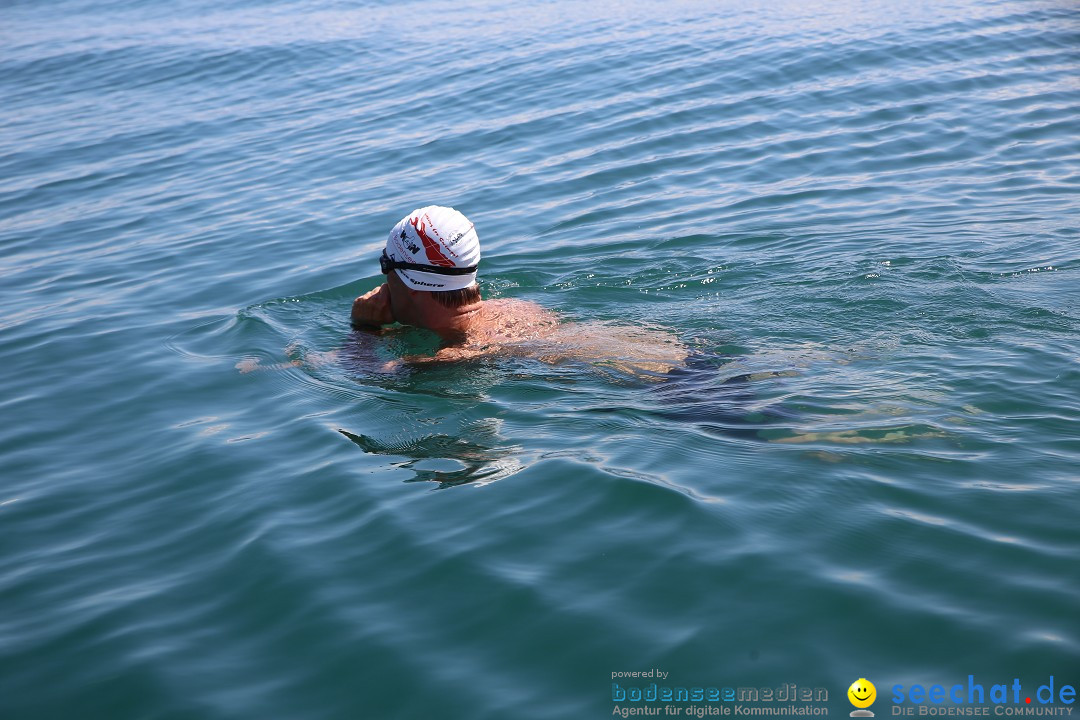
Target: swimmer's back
[526, 329]
[507, 320]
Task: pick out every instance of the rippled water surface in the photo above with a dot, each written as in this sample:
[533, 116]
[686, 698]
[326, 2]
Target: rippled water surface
[861, 217]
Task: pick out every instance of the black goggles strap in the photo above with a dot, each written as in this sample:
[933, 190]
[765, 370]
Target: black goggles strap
[386, 265]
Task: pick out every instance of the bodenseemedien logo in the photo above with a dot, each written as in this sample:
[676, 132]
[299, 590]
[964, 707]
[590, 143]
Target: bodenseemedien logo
[862, 695]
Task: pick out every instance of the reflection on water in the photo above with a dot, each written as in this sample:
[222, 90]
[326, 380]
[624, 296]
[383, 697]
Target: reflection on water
[865, 221]
[474, 456]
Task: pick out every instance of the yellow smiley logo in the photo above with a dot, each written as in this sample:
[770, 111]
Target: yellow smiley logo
[862, 693]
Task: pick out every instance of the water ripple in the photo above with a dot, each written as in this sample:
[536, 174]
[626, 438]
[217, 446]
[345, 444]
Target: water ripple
[219, 500]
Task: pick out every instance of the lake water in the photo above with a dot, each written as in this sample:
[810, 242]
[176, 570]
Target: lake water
[863, 218]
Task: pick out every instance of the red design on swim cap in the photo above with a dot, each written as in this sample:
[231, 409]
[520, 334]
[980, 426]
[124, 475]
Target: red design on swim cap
[431, 248]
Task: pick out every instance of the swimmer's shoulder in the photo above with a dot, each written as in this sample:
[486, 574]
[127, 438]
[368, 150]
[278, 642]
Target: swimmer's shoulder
[515, 305]
[503, 310]
[504, 321]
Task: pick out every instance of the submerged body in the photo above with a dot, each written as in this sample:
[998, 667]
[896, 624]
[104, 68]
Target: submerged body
[518, 328]
[524, 329]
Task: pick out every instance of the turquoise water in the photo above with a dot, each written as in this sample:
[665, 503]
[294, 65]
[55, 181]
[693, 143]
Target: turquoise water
[862, 217]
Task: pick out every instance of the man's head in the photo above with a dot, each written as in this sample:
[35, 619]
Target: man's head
[430, 261]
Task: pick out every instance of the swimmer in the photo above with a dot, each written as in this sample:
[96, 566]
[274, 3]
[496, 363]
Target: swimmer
[430, 260]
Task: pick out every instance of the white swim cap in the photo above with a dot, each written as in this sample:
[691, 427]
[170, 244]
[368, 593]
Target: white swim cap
[439, 238]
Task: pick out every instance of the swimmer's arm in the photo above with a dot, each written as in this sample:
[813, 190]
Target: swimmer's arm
[372, 309]
[448, 354]
[312, 358]
[252, 365]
